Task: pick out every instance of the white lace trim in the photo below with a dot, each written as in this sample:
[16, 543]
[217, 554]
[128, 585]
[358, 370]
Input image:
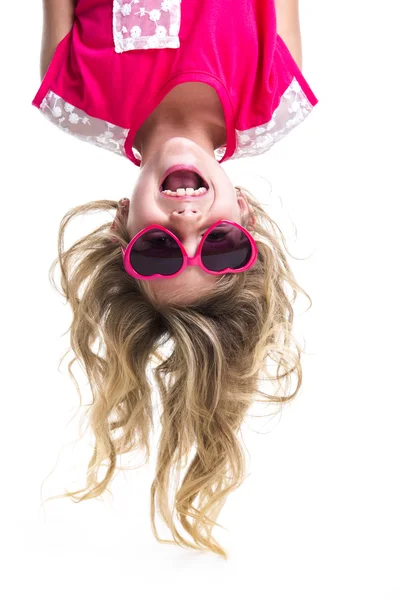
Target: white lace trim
[154, 24]
[293, 108]
[75, 121]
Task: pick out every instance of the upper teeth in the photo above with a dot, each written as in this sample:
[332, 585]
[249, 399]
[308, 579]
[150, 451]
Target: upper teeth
[186, 192]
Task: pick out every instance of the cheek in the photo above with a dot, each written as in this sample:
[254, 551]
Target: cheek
[140, 216]
[233, 209]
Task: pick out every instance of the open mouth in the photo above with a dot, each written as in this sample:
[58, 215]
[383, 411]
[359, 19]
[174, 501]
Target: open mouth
[184, 182]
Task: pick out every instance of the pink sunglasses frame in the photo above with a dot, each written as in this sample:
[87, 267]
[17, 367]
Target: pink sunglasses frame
[188, 260]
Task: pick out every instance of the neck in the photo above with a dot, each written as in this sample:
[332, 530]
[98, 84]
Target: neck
[149, 141]
[190, 115]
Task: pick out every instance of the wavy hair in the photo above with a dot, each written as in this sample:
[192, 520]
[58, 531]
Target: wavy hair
[222, 344]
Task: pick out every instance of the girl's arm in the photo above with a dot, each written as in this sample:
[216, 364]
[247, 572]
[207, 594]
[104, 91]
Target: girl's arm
[288, 27]
[58, 17]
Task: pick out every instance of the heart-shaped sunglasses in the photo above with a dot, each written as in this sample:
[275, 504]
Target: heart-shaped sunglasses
[155, 252]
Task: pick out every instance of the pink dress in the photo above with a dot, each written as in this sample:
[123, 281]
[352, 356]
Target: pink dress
[121, 58]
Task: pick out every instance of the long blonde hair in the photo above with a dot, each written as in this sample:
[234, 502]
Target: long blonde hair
[222, 343]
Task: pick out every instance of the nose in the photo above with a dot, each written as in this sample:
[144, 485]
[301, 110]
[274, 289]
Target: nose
[185, 212]
[186, 221]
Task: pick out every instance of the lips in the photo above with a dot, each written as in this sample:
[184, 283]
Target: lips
[183, 168]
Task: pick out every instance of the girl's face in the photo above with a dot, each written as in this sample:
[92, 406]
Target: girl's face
[187, 218]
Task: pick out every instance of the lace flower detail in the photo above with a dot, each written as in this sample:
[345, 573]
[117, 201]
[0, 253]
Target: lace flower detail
[153, 42]
[126, 9]
[154, 15]
[136, 31]
[73, 118]
[161, 32]
[166, 5]
[105, 137]
[56, 112]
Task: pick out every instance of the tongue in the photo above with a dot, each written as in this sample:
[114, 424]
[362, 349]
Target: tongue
[181, 179]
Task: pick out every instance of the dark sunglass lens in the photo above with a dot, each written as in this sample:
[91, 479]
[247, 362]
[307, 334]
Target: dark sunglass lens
[156, 252]
[226, 246]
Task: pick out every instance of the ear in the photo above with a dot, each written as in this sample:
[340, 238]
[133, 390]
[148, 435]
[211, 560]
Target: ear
[245, 210]
[123, 211]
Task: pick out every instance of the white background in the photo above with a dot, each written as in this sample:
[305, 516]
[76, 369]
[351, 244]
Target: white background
[318, 515]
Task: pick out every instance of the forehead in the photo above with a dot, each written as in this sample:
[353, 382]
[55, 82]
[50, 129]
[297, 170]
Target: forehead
[188, 286]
